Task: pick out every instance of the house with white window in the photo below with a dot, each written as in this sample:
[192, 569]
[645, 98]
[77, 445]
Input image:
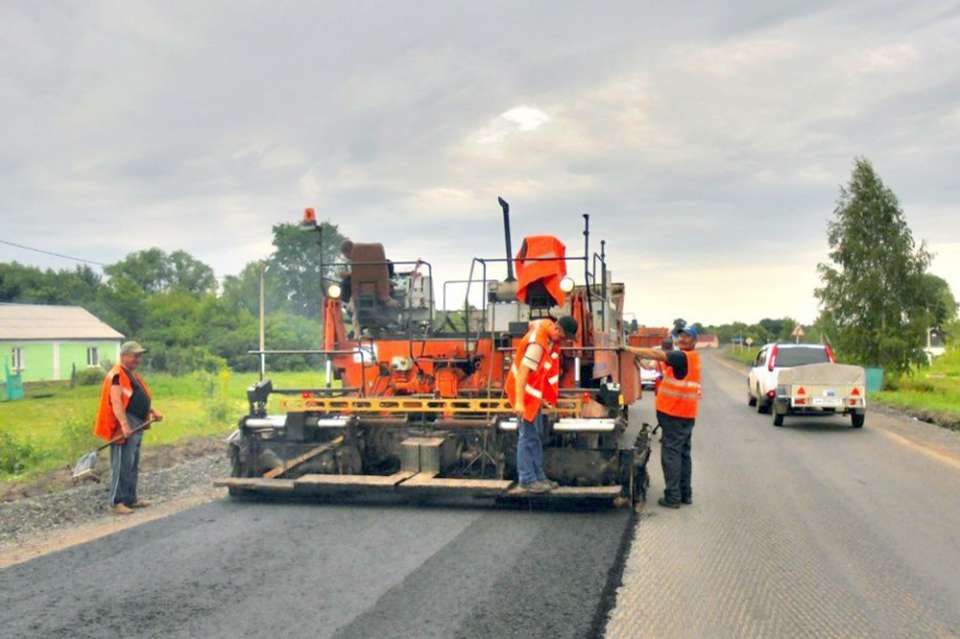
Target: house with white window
[44, 342]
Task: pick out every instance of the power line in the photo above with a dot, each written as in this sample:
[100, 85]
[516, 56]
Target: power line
[66, 257]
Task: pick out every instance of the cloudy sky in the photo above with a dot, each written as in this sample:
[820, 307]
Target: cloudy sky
[707, 141]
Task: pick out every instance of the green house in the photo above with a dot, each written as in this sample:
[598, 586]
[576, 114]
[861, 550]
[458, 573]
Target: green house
[44, 342]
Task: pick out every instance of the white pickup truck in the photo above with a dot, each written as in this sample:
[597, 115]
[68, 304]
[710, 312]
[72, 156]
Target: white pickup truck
[804, 379]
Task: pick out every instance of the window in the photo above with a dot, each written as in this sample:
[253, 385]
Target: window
[17, 360]
[93, 357]
[801, 356]
[761, 357]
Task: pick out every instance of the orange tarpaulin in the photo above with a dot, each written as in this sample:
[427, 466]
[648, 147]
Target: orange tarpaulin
[550, 272]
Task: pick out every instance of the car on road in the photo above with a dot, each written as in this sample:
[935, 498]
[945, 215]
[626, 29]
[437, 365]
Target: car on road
[804, 379]
[649, 376]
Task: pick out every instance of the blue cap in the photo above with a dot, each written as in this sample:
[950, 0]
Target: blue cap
[691, 331]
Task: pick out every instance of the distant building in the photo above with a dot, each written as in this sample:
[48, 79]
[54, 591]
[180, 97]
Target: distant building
[44, 342]
[708, 341]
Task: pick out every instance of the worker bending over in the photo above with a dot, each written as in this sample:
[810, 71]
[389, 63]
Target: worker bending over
[677, 399]
[534, 378]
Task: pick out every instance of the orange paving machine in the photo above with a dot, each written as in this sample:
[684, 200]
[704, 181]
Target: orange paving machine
[414, 401]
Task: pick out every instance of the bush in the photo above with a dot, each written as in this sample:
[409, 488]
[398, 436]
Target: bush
[183, 360]
[90, 377]
[17, 456]
[77, 437]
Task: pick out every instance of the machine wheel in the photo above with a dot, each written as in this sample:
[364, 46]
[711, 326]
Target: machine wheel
[857, 419]
[777, 418]
[751, 400]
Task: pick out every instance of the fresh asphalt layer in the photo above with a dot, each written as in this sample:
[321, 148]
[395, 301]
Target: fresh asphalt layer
[811, 530]
[249, 569]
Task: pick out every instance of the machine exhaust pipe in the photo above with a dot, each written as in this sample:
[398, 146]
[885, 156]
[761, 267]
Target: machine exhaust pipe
[506, 235]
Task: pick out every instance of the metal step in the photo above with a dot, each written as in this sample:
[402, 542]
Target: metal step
[334, 483]
[256, 484]
[430, 483]
[569, 492]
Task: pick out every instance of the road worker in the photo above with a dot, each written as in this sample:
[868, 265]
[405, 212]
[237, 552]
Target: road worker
[676, 403]
[125, 404]
[534, 378]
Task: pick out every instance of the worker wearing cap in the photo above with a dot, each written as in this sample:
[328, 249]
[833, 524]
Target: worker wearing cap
[125, 404]
[677, 400]
[534, 378]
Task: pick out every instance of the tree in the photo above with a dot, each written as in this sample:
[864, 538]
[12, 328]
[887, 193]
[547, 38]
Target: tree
[148, 269]
[296, 262]
[874, 305]
[943, 308]
[190, 274]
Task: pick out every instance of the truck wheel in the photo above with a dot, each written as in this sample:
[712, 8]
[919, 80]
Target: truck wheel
[763, 406]
[857, 419]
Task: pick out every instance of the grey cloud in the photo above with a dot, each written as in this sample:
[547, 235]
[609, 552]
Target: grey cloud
[721, 129]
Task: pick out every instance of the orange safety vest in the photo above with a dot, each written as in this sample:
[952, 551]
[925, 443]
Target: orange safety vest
[543, 384]
[679, 397]
[106, 427]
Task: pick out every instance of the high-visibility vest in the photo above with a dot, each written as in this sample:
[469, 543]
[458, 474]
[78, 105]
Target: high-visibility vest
[679, 397]
[543, 384]
[107, 427]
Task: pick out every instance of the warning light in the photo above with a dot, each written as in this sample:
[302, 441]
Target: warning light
[306, 394]
[309, 218]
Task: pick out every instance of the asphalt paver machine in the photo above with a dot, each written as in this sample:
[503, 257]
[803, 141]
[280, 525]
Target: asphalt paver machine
[414, 402]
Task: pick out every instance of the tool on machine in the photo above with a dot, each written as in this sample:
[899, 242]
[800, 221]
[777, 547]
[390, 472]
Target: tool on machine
[85, 465]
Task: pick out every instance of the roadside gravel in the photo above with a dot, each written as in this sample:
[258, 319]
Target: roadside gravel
[27, 518]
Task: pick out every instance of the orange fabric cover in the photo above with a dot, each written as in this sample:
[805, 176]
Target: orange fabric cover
[548, 271]
[107, 427]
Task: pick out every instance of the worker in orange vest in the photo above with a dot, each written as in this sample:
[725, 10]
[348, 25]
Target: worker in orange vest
[534, 377]
[677, 400]
[125, 404]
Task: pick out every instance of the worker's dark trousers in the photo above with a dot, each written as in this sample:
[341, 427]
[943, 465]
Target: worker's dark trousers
[675, 456]
[530, 450]
[125, 467]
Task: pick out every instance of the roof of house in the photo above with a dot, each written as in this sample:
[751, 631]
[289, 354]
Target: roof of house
[44, 321]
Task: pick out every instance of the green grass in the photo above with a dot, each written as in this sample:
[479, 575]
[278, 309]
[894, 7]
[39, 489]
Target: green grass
[53, 425]
[745, 355]
[936, 388]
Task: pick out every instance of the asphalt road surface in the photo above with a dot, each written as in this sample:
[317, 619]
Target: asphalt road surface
[812, 530]
[307, 570]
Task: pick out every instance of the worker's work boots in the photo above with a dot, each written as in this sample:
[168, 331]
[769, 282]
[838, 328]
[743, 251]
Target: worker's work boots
[122, 509]
[536, 487]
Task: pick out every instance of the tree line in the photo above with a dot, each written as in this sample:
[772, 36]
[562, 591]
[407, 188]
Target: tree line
[173, 303]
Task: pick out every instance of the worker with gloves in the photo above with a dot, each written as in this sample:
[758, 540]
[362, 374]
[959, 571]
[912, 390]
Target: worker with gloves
[534, 377]
[677, 399]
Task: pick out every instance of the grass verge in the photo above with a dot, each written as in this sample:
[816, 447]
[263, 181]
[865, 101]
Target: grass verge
[53, 425]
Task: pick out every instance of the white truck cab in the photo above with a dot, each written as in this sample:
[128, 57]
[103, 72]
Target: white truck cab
[772, 358]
